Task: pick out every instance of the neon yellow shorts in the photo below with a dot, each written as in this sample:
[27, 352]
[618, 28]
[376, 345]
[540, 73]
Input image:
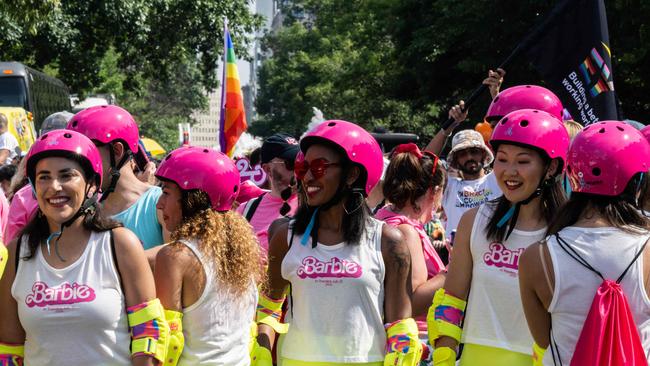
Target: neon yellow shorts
[476, 355]
[288, 362]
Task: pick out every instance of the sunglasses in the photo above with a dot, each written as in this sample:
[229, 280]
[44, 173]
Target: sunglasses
[317, 167]
[433, 157]
[288, 164]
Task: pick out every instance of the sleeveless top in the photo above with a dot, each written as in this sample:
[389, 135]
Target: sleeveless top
[609, 250]
[431, 258]
[495, 315]
[142, 218]
[74, 315]
[336, 307]
[217, 326]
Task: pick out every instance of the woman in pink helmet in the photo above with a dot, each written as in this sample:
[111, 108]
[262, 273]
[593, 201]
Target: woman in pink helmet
[345, 273]
[413, 185]
[524, 97]
[208, 275]
[124, 197]
[481, 286]
[76, 281]
[599, 234]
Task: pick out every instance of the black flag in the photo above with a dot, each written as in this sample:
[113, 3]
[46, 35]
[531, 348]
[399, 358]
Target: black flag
[572, 53]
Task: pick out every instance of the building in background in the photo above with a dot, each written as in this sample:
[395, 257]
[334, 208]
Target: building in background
[205, 132]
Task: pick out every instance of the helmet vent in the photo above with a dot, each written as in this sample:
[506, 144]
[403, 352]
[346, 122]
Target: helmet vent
[528, 86]
[595, 171]
[503, 121]
[206, 150]
[523, 123]
[535, 111]
[331, 124]
[602, 130]
[67, 135]
[168, 156]
[620, 128]
[234, 189]
[44, 136]
[75, 123]
[496, 99]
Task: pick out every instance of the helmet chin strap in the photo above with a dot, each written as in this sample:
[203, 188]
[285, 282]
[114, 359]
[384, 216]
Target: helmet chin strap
[513, 213]
[115, 171]
[312, 228]
[87, 207]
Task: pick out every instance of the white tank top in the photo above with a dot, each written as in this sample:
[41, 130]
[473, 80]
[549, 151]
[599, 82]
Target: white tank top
[74, 315]
[336, 308]
[495, 315]
[609, 251]
[217, 326]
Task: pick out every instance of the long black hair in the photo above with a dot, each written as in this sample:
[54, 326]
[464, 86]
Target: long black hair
[552, 198]
[620, 211]
[356, 213]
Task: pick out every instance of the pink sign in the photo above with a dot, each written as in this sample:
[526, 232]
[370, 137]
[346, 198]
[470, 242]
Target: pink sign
[253, 173]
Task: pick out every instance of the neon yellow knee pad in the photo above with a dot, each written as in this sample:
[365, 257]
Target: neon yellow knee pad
[538, 354]
[445, 316]
[444, 356]
[176, 339]
[149, 330]
[4, 257]
[11, 354]
[403, 347]
[269, 312]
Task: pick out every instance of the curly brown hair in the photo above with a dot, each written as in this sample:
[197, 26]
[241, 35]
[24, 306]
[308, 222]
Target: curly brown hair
[228, 240]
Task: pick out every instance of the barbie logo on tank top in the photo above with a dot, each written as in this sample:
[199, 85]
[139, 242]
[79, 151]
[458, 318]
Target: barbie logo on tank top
[42, 295]
[334, 268]
[503, 258]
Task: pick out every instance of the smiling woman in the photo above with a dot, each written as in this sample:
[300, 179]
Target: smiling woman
[531, 148]
[74, 270]
[338, 263]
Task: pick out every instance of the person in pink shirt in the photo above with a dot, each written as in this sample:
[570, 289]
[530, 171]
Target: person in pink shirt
[413, 185]
[21, 210]
[278, 156]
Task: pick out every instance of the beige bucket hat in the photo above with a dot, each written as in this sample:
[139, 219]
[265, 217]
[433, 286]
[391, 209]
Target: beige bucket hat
[466, 139]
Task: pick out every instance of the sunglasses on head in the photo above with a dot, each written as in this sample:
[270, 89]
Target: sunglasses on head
[317, 167]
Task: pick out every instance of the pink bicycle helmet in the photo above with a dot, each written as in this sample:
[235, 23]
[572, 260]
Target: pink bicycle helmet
[206, 169]
[533, 128]
[524, 97]
[645, 131]
[66, 144]
[605, 156]
[105, 124]
[359, 146]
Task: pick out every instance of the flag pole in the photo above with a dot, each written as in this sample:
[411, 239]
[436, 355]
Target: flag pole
[222, 117]
[521, 47]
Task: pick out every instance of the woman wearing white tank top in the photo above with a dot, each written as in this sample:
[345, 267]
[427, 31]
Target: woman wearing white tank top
[530, 148]
[206, 278]
[600, 226]
[67, 302]
[346, 273]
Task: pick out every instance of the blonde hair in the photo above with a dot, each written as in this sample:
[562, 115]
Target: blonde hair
[228, 241]
[573, 128]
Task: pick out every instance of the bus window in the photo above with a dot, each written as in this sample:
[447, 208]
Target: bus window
[12, 92]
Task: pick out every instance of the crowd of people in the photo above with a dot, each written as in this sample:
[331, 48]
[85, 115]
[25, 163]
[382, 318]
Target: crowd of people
[525, 246]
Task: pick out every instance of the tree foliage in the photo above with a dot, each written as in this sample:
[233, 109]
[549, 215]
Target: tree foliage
[158, 56]
[402, 64]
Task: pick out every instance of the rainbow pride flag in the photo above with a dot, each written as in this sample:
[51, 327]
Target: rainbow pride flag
[233, 116]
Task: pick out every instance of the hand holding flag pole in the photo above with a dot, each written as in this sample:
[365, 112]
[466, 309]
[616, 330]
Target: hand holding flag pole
[521, 47]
